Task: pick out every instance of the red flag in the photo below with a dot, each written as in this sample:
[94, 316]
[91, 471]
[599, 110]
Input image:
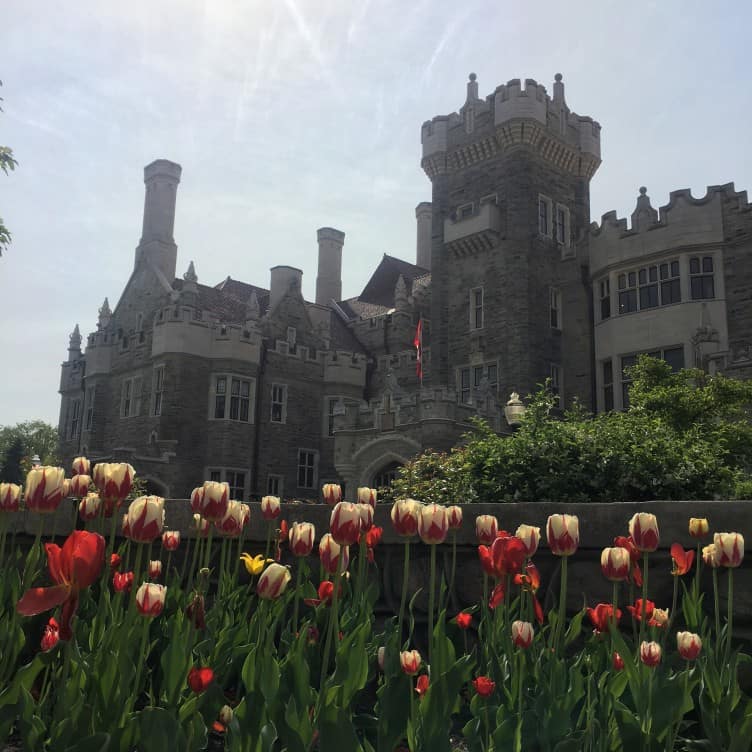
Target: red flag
[418, 343]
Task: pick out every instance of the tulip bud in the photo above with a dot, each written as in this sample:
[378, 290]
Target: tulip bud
[89, 507]
[171, 540]
[225, 715]
[273, 581]
[44, 489]
[116, 481]
[10, 496]
[155, 569]
[643, 529]
[650, 653]
[730, 548]
[380, 657]
[51, 635]
[79, 485]
[145, 519]
[530, 536]
[301, 537]
[484, 686]
[563, 533]
[329, 553]
[698, 527]
[366, 517]
[689, 645]
[199, 679]
[150, 599]
[367, 496]
[433, 524]
[332, 494]
[270, 508]
[454, 517]
[615, 564]
[115, 561]
[213, 503]
[405, 517]
[235, 519]
[711, 556]
[486, 528]
[464, 620]
[200, 525]
[617, 662]
[81, 466]
[196, 611]
[344, 523]
[410, 661]
[522, 634]
[122, 581]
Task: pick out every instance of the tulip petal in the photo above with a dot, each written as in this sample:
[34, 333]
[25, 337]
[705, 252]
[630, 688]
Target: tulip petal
[54, 562]
[37, 600]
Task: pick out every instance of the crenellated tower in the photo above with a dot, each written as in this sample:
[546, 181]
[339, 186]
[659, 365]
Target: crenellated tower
[510, 208]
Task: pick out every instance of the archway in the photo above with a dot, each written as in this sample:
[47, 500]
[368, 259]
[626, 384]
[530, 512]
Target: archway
[154, 487]
[386, 475]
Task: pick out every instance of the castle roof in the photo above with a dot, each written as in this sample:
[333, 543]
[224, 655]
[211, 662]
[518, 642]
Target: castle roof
[380, 287]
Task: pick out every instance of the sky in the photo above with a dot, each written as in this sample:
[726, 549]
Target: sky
[290, 115]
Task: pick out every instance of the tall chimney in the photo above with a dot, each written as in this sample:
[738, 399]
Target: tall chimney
[424, 215]
[284, 279]
[329, 279]
[161, 178]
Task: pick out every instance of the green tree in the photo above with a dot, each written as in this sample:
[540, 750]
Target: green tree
[7, 163]
[35, 436]
[11, 470]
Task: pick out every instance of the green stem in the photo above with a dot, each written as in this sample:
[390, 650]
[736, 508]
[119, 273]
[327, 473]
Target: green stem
[648, 712]
[113, 528]
[643, 604]
[672, 613]
[717, 608]
[207, 553]
[269, 526]
[405, 582]
[142, 658]
[361, 570]
[562, 604]
[698, 562]
[4, 525]
[222, 565]
[186, 559]
[488, 727]
[34, 554]
[61, 690]
[431, 601]
[730, 613]
[520, 682]
[236, 568]
[483, 626]
[169, 561]
[195, 560]
[330, 631]
[298, 582]
[450, 591]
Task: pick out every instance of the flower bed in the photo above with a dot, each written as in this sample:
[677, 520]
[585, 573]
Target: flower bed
[238, 635]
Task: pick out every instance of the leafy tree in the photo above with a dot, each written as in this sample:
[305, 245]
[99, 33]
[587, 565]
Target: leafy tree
[35, 436]
[11, 470]
[7, 162]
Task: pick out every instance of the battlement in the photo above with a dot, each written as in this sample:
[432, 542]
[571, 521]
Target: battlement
[685, 221]
[344, 367]
[518, 116]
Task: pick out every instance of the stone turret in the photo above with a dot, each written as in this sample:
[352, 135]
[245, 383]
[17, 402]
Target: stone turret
[424, 217]
[105, 315]
[644, 215]
[74, 344]
[329, 279]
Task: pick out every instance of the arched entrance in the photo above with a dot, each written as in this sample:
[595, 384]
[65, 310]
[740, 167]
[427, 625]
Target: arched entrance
[386, 475]
[154, 487]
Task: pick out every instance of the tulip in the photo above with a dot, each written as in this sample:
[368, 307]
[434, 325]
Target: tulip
[650, 653]
[66, 488]
[380, 658]
[366, 517]
[330, 552]
[200, 525]
[89, 507]
[504, 557]
[563, 532]
[116, 481]
[689, 645]
[486, 527]
[115, 562]
[196, 611]
[150, 599]
[410, 662]
[196, 496]
[367, 496]
[344, 524]
[332, 494]
[51, 635]
[10, 496]
[214, 500]
[404, 516]
[145, 519]
[225, 715]
[682, 560]
[155, 569]
[171, 540]
[615, 563]
[711, 556]
[273, 581]
[270, 508]
[79, 486]
[530, 536]
[643, 529]
[421, 684]
[301, 538]
[236, 517]
[73, 568]
[617, 662]
[464, 620]
[433, 524]
[44, 489]
[635, 573]
[199, 679]
[637, 609]
[325, 594]
[484, 686]
[601, 616]
[81, 466]
[122, 581]
[454, 517]
[659, 617]
[730, 548]
[522, 634]
[373, 538]
[698, 527]
[254, 565]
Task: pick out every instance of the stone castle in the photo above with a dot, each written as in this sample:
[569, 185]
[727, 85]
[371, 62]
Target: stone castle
[512, 285]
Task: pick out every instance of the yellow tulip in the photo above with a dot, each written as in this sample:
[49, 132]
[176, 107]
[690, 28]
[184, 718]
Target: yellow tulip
[254, 565]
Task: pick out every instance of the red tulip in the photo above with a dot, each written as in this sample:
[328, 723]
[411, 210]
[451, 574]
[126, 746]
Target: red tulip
[635, 573]
[682, 560]
[325, 593]
[421, 685]
[531, 581]
[484, 686]
[171, 540]
[373, 538]
[199, 679]
[464, 620]
[636, 610]
[504, 557]
[51, 635]
[73, 568]
[115, 561]
[497, 596]
[617, 662]
[122, 581]
[643, 529]
[650, 654]
[344, 524]
[601, 616]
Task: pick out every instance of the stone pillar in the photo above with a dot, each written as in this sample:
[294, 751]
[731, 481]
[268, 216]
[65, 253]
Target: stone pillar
[329, 279]
[423, 213]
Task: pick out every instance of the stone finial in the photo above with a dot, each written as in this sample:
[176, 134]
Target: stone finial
[74, 341]
[401, 301]
[105, 314]
[190, 275]
[472, 88]
[559, 89]
[252, 308]
[644, 215]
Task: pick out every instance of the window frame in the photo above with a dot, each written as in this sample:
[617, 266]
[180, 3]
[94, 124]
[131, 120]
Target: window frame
[89, 408]
[226, 474]
[702, 276]
[282, 403]
[234, 403]
[564, 240]
[554, 316]
[313, 468]
[545, 216]
[130, 396]
[74, 412]
[157, 390]
[604, 293]
[476, 308]
[275, 485]
[608, 384]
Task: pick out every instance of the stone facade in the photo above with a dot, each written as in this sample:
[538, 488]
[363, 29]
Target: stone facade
[511, 284]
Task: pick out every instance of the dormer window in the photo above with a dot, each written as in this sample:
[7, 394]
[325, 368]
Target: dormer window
[465, 211]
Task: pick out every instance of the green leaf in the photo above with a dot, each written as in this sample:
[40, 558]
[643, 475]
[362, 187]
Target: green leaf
[100, 742]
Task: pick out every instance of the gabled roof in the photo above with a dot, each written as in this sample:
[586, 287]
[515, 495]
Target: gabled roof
[227, 300]
[380, 288]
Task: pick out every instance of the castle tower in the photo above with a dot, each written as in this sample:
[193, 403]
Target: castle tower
[329, 279]
[423, 215]
[510, 206]
[161, 178]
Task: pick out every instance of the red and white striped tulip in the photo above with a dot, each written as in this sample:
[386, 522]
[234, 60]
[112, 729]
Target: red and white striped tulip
[214, 500]
[650, 654]
[150, 599]
[698, 527]
[236, 517]
[200, 525]
[486, 528]
[530, 537]
[116, 479]
[367, 496]
[44, 489]
[433, 524]
[454, 516]
[89, 507]
[196, 495]
[344, 524]
[155, 569]
[79, 486]
[171, 540]
[301, 537]
[332, 493]
[689, 645]
[273, 581]
[145, 519]
[10, 497]
[330, 552]
[410, 661]
[522, 634]
[81, 466]
[730, 548]
[643, 528]
[615, 563]
[366, 517]
[271, 508]
[563, 533]
[405, 513]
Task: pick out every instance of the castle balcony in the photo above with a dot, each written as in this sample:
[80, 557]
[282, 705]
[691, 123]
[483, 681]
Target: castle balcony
[474, 233]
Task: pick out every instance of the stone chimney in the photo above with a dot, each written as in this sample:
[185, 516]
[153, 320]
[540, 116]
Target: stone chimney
[283, 280]
[424, 215]
[329, 279]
